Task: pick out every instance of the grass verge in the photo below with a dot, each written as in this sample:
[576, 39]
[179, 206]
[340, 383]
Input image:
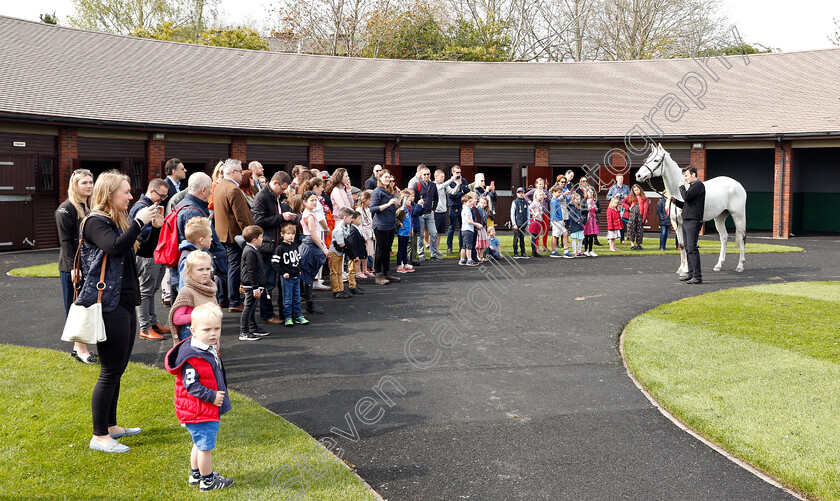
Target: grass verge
[49, 270]
[45, 428]
[650, 245]
[755, 370]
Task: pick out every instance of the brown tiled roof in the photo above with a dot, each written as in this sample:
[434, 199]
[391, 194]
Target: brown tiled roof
[71, 74]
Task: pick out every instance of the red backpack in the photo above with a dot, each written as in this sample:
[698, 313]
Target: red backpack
[166, 252]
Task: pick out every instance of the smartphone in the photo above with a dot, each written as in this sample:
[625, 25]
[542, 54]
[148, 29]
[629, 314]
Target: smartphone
[493, 184]
[160, 210]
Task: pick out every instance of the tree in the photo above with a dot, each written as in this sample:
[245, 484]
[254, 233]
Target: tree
[122, 16]
[238, 37]
[405, 32]
[48, 18]
[835, 38]
[469, 41]
[331, 27]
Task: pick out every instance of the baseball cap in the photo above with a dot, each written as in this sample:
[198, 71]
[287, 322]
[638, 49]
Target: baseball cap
[520, 190]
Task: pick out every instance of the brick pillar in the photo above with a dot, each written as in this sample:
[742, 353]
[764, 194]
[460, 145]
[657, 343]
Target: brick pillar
[782, 193]
[238, 149]
[68, 152]
[541, 155]
[316, 153]
[468, 169]
[157, 157]
[698, 160]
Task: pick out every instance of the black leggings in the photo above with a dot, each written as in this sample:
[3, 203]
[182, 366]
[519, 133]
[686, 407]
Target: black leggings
[382, 257]
[588, 240]
[120, 326]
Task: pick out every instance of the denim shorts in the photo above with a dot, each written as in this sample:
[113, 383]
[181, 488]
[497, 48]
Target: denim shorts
[204, 434]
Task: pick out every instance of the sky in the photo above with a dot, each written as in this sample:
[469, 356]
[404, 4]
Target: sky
[803, 25]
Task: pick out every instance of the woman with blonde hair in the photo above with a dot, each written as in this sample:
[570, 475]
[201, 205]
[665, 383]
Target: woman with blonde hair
[67, 218]
[108, 238]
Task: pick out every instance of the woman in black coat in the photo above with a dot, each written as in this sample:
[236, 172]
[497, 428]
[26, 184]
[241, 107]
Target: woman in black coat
[68, 216]
[108, 231]
[383, 207]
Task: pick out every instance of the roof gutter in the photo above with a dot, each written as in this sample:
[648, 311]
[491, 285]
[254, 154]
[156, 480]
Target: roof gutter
[62, 121]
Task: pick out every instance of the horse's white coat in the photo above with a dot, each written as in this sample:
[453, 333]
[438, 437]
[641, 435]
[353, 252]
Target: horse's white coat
[724, 196]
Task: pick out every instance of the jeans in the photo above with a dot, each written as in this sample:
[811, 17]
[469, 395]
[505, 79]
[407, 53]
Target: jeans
[248, 320]
[402, 250]
[454, 225]
[234, 259]
[691, 232]
[266, 308]
[291, 297]
[519, 237]
[496, 254]
[663, 236]
[427, 221]
[66, 290]
[150, 275]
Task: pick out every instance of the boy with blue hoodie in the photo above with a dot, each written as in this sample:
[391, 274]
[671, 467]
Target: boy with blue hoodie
[201, 392]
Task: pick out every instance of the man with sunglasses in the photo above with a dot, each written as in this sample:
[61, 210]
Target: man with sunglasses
[149, 273]
[370, 184]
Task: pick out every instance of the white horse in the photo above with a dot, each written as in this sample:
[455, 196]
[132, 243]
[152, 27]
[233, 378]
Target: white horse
[724, 196]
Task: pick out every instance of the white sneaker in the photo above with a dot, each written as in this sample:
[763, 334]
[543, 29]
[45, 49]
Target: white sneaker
[592, 254]
[586, 253]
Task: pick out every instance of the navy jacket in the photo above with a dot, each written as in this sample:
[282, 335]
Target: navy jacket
[455, 198]
[576, 219]
[664, 220]
[119, 246]
[198, 208]
[520, 212]
[428, 193]
[383, 220]
[149, 235]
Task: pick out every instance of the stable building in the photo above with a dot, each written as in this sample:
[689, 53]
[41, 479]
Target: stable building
[80, 99]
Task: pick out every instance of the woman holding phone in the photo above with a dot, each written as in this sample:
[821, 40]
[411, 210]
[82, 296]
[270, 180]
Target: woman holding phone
[108, 238]
[383, 207]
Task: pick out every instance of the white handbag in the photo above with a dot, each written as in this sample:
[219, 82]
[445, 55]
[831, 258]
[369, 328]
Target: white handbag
[85, 325]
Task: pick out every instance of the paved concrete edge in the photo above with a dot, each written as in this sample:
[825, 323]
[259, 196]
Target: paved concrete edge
[696, 434]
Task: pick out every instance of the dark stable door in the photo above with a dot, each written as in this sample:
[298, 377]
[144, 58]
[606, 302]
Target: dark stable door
[17, 185]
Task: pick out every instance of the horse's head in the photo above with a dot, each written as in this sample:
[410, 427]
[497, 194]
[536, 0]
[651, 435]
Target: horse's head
[653, 165]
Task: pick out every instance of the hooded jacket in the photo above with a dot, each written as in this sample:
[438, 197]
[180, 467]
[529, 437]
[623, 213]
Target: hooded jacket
[194, 402]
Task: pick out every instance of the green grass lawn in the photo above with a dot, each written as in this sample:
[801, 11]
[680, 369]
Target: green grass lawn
[49, 270]
[754, 369]
[650, 245]
[45, 427]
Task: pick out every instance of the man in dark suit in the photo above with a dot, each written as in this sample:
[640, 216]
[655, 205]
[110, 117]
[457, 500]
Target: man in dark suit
[175, 173]
[692, 204]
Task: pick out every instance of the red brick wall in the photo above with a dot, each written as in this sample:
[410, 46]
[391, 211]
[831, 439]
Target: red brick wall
[68, 151]
[541, 155]
[782, 197]
[392, 154]
[239, 150]
[157, 158]
[316, 152]
[698, 160]
[468, 169]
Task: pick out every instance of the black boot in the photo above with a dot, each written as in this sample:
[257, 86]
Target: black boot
[311, 307]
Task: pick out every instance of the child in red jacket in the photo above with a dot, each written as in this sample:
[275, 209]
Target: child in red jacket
[201, 392]
[614, 225]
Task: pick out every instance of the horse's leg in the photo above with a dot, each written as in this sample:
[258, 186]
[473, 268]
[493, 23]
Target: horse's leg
[683, 269]
[741, 237]
[720, 224]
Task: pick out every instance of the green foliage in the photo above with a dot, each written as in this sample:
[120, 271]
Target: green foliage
[238, 37]
[48, 18]
[737, 49]
[421, 31]
[122, 16]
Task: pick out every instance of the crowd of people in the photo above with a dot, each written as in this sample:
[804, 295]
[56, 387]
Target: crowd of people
[259, 247]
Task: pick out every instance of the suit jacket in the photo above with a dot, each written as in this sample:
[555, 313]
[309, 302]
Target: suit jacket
[172, 191]
[230, 211]
[693, 203]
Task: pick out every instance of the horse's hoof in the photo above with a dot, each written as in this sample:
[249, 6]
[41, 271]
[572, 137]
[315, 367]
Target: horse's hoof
[739, 269]
[716, 268]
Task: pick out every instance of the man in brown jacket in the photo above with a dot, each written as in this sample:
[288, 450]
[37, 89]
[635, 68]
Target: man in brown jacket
[232, 215]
